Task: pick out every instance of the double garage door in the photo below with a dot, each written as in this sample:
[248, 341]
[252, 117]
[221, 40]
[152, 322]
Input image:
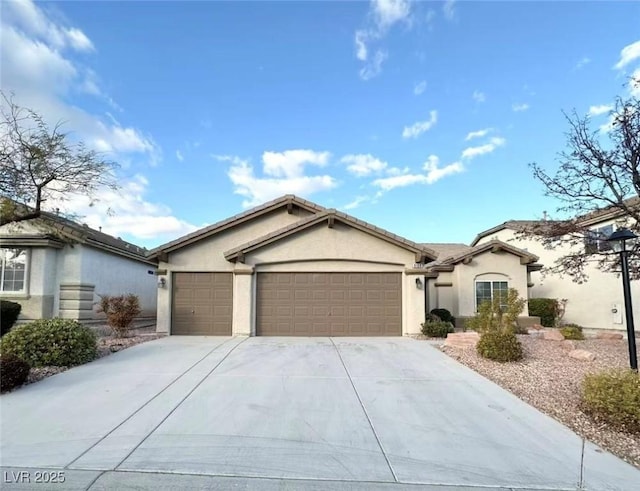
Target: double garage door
[293, 304]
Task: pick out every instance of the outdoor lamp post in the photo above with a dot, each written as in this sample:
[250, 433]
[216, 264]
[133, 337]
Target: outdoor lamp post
[618, 240]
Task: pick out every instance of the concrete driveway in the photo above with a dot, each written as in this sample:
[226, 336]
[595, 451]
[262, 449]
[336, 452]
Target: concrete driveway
[289, 413]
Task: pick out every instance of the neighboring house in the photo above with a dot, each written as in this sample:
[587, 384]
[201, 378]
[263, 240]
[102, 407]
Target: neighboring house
[597, 303]
[292, 267]
[55, 267]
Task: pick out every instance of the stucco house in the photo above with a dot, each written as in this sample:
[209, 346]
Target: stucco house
[55, 267]
[293, 267]
[595, 304]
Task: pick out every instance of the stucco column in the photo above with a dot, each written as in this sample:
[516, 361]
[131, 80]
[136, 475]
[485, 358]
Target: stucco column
[413, 301]
[242, 300]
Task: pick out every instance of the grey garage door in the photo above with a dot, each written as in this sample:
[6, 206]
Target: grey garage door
[329, 304]
[202, 304]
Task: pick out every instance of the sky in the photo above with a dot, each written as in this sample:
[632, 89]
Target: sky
[419, 117]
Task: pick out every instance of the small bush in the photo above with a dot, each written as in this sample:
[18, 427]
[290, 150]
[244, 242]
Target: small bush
[13, 372]
[120, 310]
[9, 312]
[613, 397]
[436, 328]
[51, 342]
[572, 331]
[444, 315]
[547, 309]
[500, 346]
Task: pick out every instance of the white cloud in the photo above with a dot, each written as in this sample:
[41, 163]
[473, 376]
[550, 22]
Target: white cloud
[382, 15]
[420, 87]
[361, 45]
[374, 67]
[478, 134]
[448, 9]
[358, 200]
[479, 96]
[433, 173]
[628, 54]
[600, 109]
[36, 66]
[472, 152]
[179, 155]
[520, 107]
[126, 212]
[290, 163]
[257, 190]
[362, 165]
[416, 129]
[31, 20]
[584, 61]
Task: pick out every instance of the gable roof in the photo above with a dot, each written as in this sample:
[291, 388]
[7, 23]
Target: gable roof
[56, 230]
[586, 220]
[331, 216]
[445, 249]
[492, 246]
[288, 200]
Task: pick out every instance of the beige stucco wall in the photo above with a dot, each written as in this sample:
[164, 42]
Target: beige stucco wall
[319, 248]
[589, 304]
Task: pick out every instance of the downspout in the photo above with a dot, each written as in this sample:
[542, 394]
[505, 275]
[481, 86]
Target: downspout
[426, 298]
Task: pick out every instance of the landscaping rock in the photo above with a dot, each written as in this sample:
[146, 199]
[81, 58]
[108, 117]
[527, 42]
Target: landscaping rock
[609, 335]
[536, 327]
[462, 339]
[582, 354]
[568, 345]
[535, 334]
[553, 335]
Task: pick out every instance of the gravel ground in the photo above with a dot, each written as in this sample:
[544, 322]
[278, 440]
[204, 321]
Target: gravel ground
[106, 346]
[551, 381]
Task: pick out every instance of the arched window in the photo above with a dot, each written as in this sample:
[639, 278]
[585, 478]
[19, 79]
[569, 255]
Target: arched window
[490, 286]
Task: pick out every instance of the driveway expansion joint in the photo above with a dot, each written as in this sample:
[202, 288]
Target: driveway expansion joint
[364, 410]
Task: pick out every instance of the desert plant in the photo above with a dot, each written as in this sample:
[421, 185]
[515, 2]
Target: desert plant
[497, 321]
[572, 331]
[120, 310]
[13, 372]
[51, 342]
[613, 397]
[436, 328]
[548, 309]
[9, 312]
[500, 346]
[444, 315]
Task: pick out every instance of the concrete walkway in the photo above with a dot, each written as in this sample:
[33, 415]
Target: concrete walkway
[289, 413]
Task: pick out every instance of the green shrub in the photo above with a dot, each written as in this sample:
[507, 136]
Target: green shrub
[120, 310]
[444, 315]
[436, 328]
[500, 346]
[547, 309]
[51, 342]
[9, 312]
[572, 331]
[613, 397]
[13, 372]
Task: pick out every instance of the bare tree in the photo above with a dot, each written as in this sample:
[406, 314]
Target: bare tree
[39, 163]
[598, 176]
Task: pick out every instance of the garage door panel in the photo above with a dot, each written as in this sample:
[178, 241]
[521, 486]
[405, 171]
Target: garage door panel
[329, 304]
[202, 303]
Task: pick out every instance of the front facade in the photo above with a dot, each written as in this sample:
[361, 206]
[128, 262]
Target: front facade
[293, 268]
[54, 267]
[597, 303]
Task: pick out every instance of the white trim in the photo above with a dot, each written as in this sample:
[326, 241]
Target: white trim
[27, 271]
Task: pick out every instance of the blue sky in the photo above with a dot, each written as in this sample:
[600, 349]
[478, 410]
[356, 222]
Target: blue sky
[419, 117]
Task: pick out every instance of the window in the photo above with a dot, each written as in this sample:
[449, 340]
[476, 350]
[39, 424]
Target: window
[595, 240]
[486, 291]
[13, 265]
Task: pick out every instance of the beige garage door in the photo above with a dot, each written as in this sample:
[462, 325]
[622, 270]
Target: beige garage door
[329, 304]
[202, 304]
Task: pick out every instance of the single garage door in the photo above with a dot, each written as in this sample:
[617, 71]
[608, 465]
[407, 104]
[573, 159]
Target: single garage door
[329, 304]
[202, 304]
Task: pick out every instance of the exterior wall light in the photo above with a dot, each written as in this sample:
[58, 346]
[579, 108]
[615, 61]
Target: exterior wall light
[418, 283]
[162, 282]
[618, 241]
